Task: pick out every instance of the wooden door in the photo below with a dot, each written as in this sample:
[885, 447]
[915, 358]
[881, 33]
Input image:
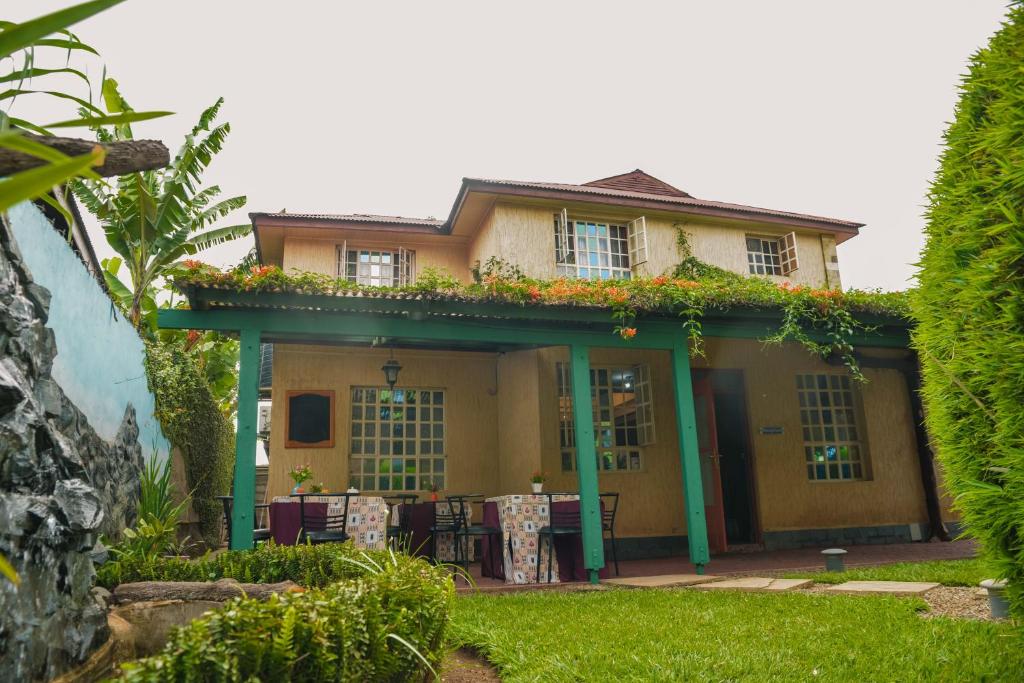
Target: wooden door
[710, 473]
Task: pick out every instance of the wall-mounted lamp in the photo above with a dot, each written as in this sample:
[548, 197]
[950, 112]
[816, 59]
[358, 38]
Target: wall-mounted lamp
[391, 369]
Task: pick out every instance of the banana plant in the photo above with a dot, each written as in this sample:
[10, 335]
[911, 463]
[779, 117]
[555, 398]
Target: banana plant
[154, 219]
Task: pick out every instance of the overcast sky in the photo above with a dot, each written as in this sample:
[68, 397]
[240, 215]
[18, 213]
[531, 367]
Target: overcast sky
[830, 108]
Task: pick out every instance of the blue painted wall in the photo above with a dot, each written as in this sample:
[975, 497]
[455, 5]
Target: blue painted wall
[99, 362]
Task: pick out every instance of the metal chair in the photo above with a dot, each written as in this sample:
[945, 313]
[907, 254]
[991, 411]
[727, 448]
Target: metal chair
[461, 507]
[561, 523]
[444, 523]
[401, 533]
[328, 526]
[258, 533]
[609, 505]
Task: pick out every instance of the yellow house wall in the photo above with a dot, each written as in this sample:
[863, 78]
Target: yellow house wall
[319, 255]
[519, 433]
[502, 423]
[523, 235]
[471, 410]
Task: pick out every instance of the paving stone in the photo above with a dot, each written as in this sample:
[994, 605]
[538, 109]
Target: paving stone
[662, 581]
[883, 587]
[757, 584]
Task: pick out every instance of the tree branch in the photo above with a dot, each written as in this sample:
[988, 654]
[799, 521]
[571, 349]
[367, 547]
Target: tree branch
[128, 156]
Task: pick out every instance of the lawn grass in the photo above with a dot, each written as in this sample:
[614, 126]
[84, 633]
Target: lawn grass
[684, 635]
[947, 572]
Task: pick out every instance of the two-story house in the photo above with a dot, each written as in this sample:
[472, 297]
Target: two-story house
[793, 451]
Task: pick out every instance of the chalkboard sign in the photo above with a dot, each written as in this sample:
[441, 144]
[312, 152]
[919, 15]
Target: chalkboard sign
[309, 416]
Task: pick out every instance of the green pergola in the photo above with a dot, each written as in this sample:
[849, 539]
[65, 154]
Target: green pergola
[450, 322]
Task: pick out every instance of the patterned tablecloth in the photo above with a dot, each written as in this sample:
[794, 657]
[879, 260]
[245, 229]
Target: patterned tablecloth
[366, 525]
[521, 517]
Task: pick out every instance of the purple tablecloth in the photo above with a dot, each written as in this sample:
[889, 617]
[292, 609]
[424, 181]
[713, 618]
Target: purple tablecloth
[286, 520]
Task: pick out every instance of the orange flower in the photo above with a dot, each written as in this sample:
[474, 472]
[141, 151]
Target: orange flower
[534, 291]
[627, 332]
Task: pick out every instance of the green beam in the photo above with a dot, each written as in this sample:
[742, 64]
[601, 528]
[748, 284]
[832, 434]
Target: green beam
[244, 504]
[324, 325]
[586, 462]
[689, 455]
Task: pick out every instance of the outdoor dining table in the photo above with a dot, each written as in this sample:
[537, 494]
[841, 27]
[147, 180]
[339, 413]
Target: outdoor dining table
[366, 521]
[520, 517]
[421, 518]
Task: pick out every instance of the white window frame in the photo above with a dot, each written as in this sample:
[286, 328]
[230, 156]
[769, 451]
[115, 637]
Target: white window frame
[567, 247]
[637, 241]
[831, 419]
[763, 257]
[623, 458]
[787, 253]
[430, 467]
[402, 259]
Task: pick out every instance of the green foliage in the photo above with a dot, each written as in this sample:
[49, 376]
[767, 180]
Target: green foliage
[692, 268]
[156, 499]
[947, 572]
[311, 566]
[19, 43]
[153, 219]
[691, 635]
[386, 625]
[970, 305]
[496, 268]
[193, 422]
[836, 314]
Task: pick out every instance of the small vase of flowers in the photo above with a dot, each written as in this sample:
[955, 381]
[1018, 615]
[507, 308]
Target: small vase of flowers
[433, 491]
[537, 481]
[300, 474]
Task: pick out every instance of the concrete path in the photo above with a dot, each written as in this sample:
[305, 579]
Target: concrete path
[883, 587]
[756, 584]
[663, 581]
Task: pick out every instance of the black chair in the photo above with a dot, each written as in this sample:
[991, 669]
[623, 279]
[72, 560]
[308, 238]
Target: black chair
[609, 505]
[258, 533]
[465, 530]
[325, 526]
[444, 523]
[561, 523]
[400, 528]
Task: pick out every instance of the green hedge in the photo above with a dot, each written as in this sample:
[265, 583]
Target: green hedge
[970, 304]
[312, 566]
[193, 422]
[373, 628]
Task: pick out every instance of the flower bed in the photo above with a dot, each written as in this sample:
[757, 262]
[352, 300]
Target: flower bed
[836, 314]
[311, 566]
[386, 625]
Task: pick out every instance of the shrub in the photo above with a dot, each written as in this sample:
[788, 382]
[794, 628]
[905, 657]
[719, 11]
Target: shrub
[382, 626]
[311, 566]
[193, 422]
[970, 304]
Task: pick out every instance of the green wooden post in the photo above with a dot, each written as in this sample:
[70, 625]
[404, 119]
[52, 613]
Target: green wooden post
[586, 462]
[243, 506]
[689, 455]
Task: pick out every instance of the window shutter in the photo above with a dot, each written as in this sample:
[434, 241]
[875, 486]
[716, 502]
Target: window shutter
[406, 266]
[637, 242]
[644, 405]
[343, 259]
[563, 237]
[787, 253]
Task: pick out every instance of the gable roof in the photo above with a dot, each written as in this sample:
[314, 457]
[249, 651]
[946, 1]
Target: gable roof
[637, 181]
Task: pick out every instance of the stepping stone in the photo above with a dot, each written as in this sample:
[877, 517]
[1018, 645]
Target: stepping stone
[662, 581]
[883, 587]
[757, 584]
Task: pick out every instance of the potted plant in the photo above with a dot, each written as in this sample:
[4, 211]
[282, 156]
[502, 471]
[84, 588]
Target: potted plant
[537, 481]
[300, 474]
[316, 488]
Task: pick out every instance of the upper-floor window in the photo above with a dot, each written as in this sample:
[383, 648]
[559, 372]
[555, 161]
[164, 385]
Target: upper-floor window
[376, 267]
[598, 250]
[771, 255]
